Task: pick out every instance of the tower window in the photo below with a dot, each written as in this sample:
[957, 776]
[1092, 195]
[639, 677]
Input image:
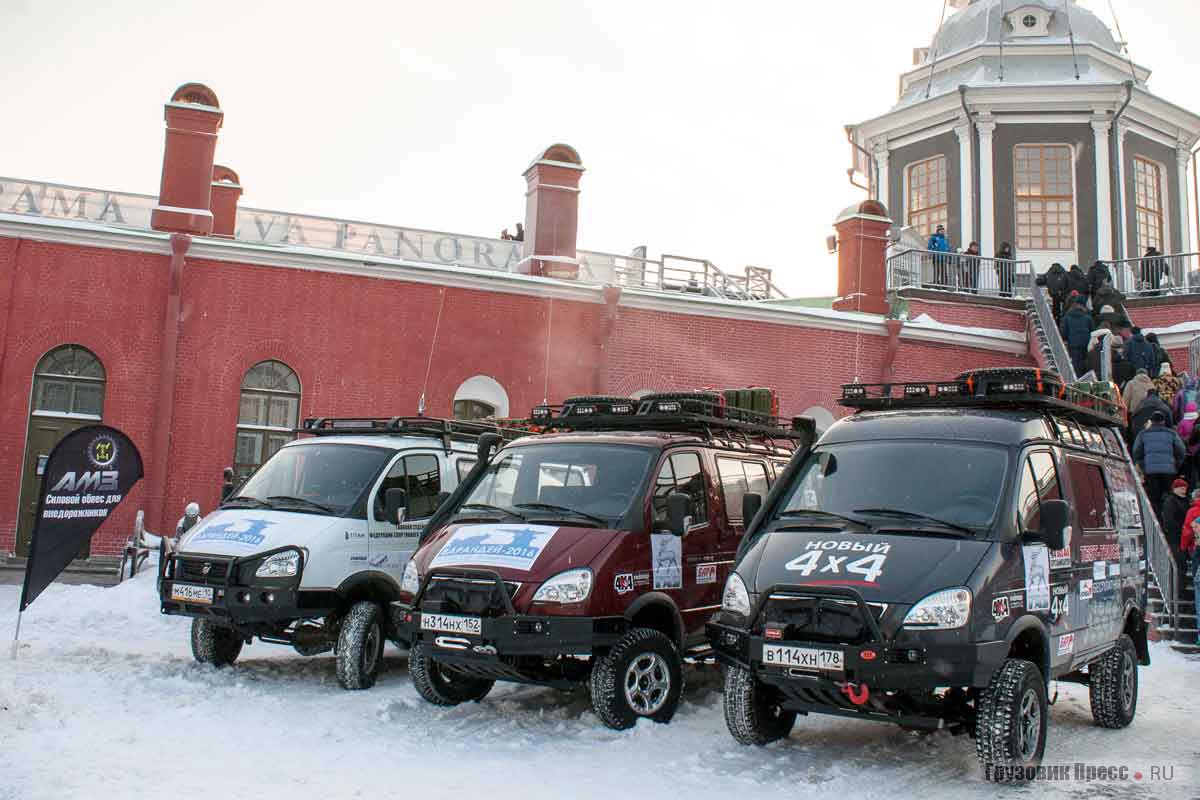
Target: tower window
[1045, 197]
[1147, 177]
[927, 195]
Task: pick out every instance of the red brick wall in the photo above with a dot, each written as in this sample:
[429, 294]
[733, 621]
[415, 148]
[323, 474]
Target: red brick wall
[361, 347]
[969, 314]
[105, 300]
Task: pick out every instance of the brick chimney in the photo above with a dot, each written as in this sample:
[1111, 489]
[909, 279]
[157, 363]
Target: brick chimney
[226, 189]
[862, 242]
[184, 196]
[552, 213]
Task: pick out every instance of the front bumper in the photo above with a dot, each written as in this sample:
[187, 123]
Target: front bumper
[908, 659]
[508, 645]
[228, 591]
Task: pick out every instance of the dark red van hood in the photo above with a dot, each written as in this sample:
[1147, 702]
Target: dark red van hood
[524, 552]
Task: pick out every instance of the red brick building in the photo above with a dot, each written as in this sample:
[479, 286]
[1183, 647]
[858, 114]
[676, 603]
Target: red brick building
[205, 331]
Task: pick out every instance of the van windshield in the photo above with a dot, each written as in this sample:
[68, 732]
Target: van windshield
[917, 482]
[312, 478]
[566, 480]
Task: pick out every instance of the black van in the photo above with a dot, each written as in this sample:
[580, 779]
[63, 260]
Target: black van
[936, 560]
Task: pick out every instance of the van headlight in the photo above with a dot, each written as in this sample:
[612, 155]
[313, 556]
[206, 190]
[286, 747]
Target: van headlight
[280, 565]
[410, 583]
[572, 586]
[943, 610]
[735, 599]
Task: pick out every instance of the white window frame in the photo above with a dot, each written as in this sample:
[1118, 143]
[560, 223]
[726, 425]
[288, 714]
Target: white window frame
[1165, 188]
[1074, 198]
[907, 172]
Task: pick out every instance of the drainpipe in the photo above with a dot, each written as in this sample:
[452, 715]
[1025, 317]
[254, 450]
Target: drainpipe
[871, 180]
[608, 323]
[1120, 153]
[168, 360]
[887, 371]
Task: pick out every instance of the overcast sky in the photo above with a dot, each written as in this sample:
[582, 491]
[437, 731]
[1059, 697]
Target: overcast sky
[710, 129]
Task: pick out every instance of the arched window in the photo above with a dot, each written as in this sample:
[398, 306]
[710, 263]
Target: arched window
[267, 414]
[480, 397]
[928, 203]
[1148, 199]
[69, 380]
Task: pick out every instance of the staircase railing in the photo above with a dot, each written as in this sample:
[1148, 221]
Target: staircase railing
[1058, 348]
[960, 273]
[1158, 552]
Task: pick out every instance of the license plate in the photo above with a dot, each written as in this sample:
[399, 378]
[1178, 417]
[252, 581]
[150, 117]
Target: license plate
[191, 594]
[810, 658]
[446, 623]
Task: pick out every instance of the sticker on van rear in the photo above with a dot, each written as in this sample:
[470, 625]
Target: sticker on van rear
[706, 573]
[1066, 644]
[512, 546]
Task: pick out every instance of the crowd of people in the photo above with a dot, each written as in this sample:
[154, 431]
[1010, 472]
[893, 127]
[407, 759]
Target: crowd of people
[960, 270]
[1162, 406]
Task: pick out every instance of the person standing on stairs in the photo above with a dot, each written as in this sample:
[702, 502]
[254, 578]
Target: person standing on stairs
[1175, 507]
[1076, 329]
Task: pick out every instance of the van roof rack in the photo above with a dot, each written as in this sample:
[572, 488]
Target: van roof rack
[1015, 387]
[703, 413]
[430, 427]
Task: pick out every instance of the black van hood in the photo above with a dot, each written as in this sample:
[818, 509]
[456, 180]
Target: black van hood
[902, 568]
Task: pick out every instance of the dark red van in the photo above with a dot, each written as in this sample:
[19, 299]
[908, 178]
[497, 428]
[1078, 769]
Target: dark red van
[594, 552]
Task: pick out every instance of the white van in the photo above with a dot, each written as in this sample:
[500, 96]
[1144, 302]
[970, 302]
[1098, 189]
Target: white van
[309, 551]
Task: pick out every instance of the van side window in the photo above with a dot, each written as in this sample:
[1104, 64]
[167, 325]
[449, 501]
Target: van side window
[420, 478]
[680, 473]
[737, 478]
[1039, 483]
[1092, 504]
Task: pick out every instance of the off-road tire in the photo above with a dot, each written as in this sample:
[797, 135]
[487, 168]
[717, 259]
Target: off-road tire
[752, 712]
[360, 646]
[998, 722]
[440, 685]
[611, 670]
[214, 644]
[1109, 680]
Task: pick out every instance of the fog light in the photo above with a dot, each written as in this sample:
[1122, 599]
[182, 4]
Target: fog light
[243, 597]
[268, 597]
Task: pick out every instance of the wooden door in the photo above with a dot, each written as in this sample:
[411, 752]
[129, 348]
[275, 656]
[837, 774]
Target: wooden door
[44, 434]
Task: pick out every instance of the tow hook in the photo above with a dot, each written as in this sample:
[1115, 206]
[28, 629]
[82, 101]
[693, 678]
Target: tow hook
[859, 693]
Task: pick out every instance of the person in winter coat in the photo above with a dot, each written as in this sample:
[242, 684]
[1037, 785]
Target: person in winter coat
[1077, 281]
[1139, 352]
[1096, 353]
[1159, 451]
[227, 484]
[1146, 410]
[1136, 390]
[1076, 329]
[1097, 276]
[1189, 431]
[1153, 267]
[939, 244]
[1108, 305]
[1175, 505]
[968, 268]
[1167, 384]
[1004, 268]
[1160, 355]
[1189, 392]
[1056, 284]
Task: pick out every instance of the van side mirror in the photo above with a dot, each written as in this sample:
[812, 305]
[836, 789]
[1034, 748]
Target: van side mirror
[395, 505]
[1056, 515]
[751, 503]
[679, 516]
[485, 444]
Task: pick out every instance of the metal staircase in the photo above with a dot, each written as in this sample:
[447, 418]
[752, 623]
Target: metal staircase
[1171, 595]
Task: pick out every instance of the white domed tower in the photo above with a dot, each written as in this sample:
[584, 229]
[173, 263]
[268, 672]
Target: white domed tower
[1026, 122]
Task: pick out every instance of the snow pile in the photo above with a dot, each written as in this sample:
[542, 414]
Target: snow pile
[104, 701]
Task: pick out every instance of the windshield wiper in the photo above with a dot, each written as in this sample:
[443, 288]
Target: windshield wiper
[490, 507]
[253, 501]
[804, 512]
[899, 512]
[302, 501]
[565, 510]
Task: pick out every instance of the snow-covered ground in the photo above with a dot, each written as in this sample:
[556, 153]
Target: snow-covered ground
[104, 701]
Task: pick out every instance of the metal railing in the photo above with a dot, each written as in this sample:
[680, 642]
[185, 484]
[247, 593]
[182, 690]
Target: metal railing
[677, 274]
[1150, 276]
[1194, 363]
[1059, 357]
[1158, 551]
[960, 273]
